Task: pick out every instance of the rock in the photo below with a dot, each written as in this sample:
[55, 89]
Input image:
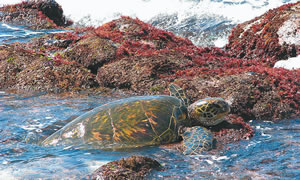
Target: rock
[46, 74]
[134, 167]
[12, 61]
[41, 14]
[137, 58]
[140, 74]
[268, 38]
[255, 89]
[92, 52]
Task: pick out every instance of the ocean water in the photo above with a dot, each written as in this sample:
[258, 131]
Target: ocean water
[273, 153]
[12, 33]
[205, 22]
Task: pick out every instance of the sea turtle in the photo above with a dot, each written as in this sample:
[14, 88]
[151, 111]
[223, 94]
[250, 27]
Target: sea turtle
[143, 121]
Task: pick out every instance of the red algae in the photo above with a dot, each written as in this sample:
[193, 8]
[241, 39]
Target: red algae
[43, 14]
[136, 38]
[138, 58]
[182, 61]
[133, 167]
[259, 38]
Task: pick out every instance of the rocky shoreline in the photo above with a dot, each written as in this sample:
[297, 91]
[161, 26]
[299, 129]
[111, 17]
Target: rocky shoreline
[137, 58]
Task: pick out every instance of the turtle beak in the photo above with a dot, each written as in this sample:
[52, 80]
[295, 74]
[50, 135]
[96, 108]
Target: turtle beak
[224, 109]
[223, 106]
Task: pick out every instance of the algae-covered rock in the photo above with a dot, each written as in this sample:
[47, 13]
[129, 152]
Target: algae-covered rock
[46, 76]
[138, 58]
[140, 74]
[134, 167]
[271, 37]
[41, 14]
[92, 52]
[26, 70]
[12, 62]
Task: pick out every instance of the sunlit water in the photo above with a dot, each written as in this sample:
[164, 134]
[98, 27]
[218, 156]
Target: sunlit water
[12, 33]
[205, 22]
[273, 152]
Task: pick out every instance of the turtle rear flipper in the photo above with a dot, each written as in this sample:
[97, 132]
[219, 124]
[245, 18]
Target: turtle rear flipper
[176, 91]
[196, 140]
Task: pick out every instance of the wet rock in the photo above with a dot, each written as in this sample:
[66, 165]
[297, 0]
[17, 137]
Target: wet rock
[12, 61]
[138, 58]
[134, 167]
[271, 37]
[140, 74]
[25, 70]
[257, 96]
[92, 52]
[46, 76]
[41, 14]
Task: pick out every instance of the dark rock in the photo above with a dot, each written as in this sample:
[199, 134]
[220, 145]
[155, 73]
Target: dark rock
[41, 14]
[134, 167]
[53, 11]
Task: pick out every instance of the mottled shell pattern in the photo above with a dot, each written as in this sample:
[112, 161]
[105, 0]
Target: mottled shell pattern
[208, 111]
[131, 122]
[143, 121]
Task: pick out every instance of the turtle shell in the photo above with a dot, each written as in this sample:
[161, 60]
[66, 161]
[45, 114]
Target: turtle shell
[132, 122]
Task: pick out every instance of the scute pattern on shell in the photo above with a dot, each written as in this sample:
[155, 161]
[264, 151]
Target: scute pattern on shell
[131, 122]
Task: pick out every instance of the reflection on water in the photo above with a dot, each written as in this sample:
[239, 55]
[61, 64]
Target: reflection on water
[272, 153]
[12, 33]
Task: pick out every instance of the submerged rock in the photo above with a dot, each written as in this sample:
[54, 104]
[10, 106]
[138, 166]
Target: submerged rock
[134, 167]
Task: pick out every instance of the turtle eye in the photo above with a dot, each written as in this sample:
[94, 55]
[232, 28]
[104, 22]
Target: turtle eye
[181, 130]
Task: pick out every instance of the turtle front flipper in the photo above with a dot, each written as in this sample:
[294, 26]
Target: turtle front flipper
[177, 92]
[196, 140]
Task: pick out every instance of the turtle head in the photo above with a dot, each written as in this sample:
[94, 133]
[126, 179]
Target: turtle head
[209, 111]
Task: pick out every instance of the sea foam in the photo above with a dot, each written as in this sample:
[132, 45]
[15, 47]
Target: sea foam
[99, 12]
[291, 63]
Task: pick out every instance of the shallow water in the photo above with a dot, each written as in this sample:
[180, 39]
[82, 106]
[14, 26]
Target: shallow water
[204, 22]
[273, 153]
[12, 33]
